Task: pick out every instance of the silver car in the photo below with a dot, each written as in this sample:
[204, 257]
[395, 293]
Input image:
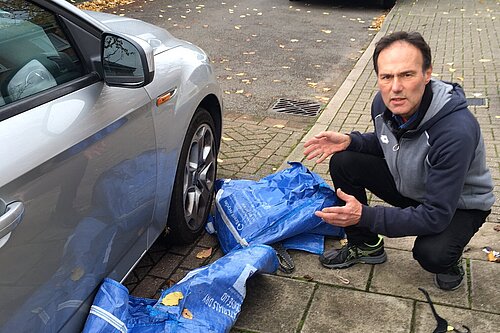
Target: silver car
[109, 132]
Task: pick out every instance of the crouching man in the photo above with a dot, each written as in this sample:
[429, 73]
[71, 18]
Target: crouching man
[426, 158]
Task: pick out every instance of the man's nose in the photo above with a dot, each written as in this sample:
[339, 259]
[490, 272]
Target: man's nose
[397, 85]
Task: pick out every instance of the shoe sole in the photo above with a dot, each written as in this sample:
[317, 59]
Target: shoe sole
[381, 258]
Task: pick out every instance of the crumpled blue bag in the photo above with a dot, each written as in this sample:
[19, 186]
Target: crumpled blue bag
[212, 294]
[275, 208]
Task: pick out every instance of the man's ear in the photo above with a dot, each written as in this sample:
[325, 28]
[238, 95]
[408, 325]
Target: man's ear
[428, 74]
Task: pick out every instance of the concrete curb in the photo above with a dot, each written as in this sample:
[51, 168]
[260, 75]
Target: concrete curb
[325, 119]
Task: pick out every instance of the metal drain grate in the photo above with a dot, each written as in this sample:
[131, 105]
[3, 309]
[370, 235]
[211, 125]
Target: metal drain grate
[474, 101]
[300, 107]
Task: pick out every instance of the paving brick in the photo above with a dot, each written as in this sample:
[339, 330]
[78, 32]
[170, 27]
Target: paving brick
[148, 287]
[165, 267]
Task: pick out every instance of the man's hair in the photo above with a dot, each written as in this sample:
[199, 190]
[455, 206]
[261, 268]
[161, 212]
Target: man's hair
[413, 38]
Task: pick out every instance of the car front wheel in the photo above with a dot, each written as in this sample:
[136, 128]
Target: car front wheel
[194, 180]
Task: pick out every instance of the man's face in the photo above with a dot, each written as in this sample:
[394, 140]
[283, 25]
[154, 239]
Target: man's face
[400, 78]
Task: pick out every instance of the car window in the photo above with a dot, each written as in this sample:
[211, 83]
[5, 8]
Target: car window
[36, 53]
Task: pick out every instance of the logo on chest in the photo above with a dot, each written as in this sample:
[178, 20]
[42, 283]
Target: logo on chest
[384, 139]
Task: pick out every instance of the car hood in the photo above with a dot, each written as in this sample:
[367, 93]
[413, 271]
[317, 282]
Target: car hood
[160, 39]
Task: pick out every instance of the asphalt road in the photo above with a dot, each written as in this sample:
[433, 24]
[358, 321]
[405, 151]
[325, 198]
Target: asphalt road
[264, 50]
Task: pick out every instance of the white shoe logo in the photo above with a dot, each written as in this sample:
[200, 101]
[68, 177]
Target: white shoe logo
[384, 139]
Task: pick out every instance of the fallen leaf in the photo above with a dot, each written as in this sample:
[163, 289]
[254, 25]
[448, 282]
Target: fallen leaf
[452, 70]
[484, 60]
[224, 138]
[312, 84]
[237, 27]
[460, 78]
[170, 283]
[327, 89]
[326, 31]
[220, 160]
[279, 126]
[449, 63]
[240, 74]
[208, 252]
[248, 95]
[172, 299]
[187, 314]
[477, 94]
[294, 40]
[285, 67]
[239, 91]
[276, 81]
[282, 46]
[307, 277]
[77, 273]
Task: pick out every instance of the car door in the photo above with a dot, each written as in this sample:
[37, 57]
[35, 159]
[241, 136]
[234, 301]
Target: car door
[77, 170]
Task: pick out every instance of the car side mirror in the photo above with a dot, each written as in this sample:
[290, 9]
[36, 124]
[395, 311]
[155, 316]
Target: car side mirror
[127, 61]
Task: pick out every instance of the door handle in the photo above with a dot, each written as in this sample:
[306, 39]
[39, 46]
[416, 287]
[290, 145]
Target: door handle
[11, 218]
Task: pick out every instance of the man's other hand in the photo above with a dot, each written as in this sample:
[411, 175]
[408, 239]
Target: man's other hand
[325, 144]
[342, 216]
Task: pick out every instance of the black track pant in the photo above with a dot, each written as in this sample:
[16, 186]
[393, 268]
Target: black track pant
[354, 172]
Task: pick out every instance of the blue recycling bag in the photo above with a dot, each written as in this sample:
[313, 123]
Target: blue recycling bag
[211, 298]
[275, 208]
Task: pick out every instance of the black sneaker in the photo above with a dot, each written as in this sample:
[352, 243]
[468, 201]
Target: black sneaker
[351, 254]
[452, 278]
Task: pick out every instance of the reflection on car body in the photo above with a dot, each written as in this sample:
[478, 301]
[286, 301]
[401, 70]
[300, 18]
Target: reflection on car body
[101, 152]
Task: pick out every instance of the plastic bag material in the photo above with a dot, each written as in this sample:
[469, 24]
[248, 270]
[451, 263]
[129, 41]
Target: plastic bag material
[277, 207]
[208, 299]
[311, 243]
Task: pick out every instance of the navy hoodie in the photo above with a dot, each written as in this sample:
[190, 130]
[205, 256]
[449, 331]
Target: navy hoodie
[441, 164]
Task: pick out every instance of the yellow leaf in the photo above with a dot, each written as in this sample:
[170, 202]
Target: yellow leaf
[327, 89]
[452, 70]
[460, 78]
[208, 252]
[187, 314]
[172, 299]
[240, 74]
[237, 27]
[220, 160]
[239, 91]
[282, 46]
[224, 138]
[484, 60]
[279, 126]
[312, 84]
[285, 67]
[294, 40]
[326, 31]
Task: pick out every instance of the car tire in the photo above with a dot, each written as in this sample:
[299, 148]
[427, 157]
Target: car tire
[194, 180]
